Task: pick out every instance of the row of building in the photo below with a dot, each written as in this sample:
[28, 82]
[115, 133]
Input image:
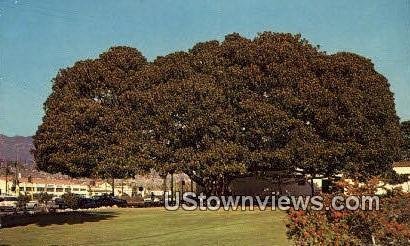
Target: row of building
[243, 186]
[58, 187]
[291, 186]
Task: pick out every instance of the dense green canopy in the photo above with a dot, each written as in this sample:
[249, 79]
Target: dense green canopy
[405, 130]
[221, 110]
[86, 129]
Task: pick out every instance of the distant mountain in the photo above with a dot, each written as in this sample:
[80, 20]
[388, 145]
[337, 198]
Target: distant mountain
[12, 147]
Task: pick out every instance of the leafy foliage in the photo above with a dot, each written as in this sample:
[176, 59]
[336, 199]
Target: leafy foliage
[389, 225]
[22, 200]
[86, 129]
[44, 197]
[219, 111]
[392, 177]
[222, 110]
[405, 130]
[71, 200]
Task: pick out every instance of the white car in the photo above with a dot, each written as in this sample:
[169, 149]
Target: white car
[55, 203]
[8, 203]
[149, 199]
[32, 205]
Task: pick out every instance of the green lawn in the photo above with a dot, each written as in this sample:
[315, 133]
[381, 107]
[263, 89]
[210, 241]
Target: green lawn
[154, 226]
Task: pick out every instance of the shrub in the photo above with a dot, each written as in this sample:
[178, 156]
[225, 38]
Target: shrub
[71, 200]
[22, 200]
[44, 197]
[388, 225]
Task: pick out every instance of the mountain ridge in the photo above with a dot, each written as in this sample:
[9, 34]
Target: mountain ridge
[16, 148]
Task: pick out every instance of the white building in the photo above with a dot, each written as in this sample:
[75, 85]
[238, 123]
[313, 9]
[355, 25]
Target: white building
[402, 167]
[54, 187]
[58, 187]
[121, 188]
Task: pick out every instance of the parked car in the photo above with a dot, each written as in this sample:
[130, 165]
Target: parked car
[119, 202]
[108, 201]
[32, 205]
[99, 201]
[136, 201]
[9, 204]
[59, 202]
[86, 203]
[152, 201]
[54, 204]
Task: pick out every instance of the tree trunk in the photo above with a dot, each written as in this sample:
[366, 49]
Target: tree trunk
[172, 188]
[113, 186]
[219, 186]
[182, 190]
[280, 185]
[164, 185]
[312, 188]
[122, 187]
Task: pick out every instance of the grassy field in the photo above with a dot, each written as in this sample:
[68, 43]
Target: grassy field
[153, 226]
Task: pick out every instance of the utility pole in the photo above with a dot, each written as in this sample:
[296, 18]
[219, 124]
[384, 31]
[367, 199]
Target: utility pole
[7, 174]
[15, 172]
[16, 178]
[5, 166]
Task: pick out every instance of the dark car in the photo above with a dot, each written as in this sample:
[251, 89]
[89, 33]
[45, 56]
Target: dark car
[109, 201]
[59, 202]
[135, 202]
[102, 201]
[87, 203]
[119, 202]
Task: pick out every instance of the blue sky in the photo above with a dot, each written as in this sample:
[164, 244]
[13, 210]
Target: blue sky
[37, 38]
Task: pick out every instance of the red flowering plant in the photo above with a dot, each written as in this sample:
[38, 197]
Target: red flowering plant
[390, 224]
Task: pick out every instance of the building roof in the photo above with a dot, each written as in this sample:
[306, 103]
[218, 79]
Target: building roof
[48, 181]
[401, 164]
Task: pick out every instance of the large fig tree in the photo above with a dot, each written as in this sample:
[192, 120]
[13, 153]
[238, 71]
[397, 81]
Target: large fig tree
[274, 103]
[222, 110]
[87, 129]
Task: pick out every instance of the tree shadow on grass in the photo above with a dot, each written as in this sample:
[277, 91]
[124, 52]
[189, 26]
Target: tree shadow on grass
[69, 218]
[177, 231]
